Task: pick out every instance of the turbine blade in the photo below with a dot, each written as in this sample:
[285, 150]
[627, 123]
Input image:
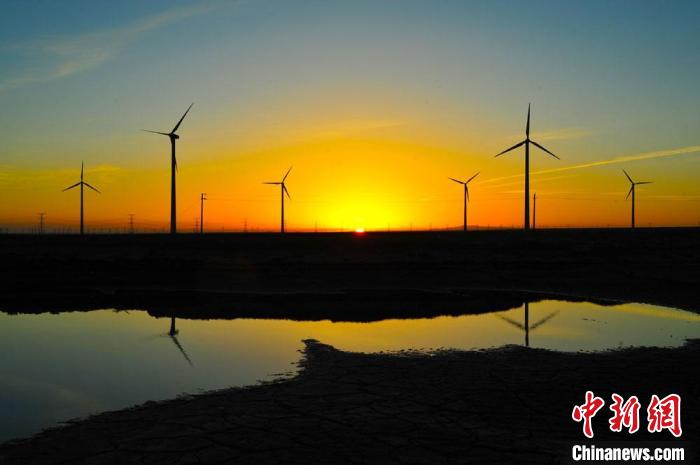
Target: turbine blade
[527, 127]
[466, 189]
[644, 182]
[469, 180]
[82, 166]
[513, 147]
[284, 188]
[508, 320]
[455, 180]
[273, 183]
[180, 122]
[628, 176]
[156, 132]
[285, 176]
[542, 148]
[88, 185]
[71, 187]
[182, 351]
[630, 191]
[544, 320]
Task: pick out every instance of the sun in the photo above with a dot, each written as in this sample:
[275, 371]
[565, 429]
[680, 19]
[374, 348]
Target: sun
[359, 230]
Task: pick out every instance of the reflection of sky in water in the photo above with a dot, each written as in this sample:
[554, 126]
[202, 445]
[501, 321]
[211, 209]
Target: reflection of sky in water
[56, 367]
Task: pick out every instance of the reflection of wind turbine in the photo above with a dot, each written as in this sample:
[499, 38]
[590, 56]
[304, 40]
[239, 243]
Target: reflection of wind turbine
[173, 168]
[283, 191]
[173, 336]
[632, 190]
[527, 143]
[527, 327]
[466, 195]
[82, 185]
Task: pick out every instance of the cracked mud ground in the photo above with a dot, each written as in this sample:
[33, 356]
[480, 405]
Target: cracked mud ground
[509, 405]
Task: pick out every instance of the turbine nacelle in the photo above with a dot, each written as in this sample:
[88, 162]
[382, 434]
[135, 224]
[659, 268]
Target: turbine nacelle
[283, 192]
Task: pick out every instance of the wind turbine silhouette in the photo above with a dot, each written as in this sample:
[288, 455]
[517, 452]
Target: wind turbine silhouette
[527, 327]
[527, 142]
[173, 169]
[82, 185]
[466, 195]
[283, 191]
[632, 191]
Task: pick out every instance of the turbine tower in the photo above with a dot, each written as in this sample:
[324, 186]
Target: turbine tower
[527, 142]
[173, 169]
[283, 191]
[82, 185]
[632, 191]
[466, 195]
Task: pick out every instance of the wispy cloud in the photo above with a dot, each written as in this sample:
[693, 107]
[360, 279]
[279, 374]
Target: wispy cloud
[60, 57]
[610, 161]
[539, 180]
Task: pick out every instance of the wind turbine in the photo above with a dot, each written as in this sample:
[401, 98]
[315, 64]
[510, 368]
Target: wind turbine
[283, 191]
[632, 190]
[173, 169]
[82, 185]
[527, 327]
[527, 143]
[466, 195]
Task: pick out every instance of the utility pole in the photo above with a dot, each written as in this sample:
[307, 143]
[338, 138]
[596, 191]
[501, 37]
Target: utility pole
[131, 223]
[202, 198]
[42, 215]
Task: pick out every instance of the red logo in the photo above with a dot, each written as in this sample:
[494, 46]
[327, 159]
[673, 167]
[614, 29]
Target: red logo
[665, 414]
[625, 414]
[587, 411]
[661, 414]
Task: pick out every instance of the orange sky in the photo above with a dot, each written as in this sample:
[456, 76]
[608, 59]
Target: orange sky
[347, 182]
[373, 122]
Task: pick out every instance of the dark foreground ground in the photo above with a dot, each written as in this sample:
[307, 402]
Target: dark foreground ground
[343, 276]
[511, 405]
